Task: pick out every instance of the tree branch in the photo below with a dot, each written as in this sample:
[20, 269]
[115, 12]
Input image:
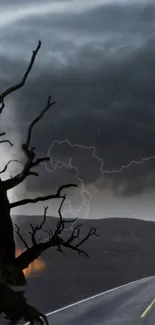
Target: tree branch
[36, 120]
[5, 167]
[42, 198]
[29, 255]
[37, 228]
[61, 223]
[23, 80]
[3, 133]
[20, 236]
[7, 141]
[29, 152]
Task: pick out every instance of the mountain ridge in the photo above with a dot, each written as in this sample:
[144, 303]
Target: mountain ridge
[124, 252]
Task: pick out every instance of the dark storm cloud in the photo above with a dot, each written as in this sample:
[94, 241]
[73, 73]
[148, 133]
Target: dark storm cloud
[99, 66]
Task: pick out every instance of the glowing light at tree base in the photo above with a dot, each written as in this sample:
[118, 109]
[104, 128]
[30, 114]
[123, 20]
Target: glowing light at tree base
[35, 267]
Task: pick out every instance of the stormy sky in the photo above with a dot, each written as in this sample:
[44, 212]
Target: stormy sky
[97, 60]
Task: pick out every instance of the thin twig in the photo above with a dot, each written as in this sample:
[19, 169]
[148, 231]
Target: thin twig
[23, 80]
[21, 237]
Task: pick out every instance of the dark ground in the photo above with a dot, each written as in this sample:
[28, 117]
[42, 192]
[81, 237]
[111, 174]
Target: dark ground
[124, 252]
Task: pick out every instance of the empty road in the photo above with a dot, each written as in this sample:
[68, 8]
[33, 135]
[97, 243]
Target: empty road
[132, 304]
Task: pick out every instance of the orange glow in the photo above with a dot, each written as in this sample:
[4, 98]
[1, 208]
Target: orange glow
[37, 266]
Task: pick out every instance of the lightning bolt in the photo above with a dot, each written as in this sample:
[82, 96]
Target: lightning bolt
[132, 162]
[86, 195]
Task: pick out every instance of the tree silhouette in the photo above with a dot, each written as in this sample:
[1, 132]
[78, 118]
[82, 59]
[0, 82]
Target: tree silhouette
[13, 304]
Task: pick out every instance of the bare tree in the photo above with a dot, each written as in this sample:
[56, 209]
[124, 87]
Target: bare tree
[13, 304]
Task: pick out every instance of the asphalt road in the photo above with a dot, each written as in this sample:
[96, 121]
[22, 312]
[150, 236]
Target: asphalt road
[130, 304]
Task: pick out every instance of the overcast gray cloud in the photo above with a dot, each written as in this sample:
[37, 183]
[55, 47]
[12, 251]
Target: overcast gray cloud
[97, 62]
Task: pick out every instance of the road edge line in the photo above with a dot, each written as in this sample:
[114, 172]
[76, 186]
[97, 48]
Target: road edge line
[95, 296]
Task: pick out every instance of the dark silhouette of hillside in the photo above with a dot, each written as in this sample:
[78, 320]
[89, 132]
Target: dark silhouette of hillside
[123, 253]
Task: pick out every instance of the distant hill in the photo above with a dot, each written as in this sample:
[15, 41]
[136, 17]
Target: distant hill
[124, 252]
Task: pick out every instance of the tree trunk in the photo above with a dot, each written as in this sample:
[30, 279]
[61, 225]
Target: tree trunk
[10, 272]
[7, 243]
